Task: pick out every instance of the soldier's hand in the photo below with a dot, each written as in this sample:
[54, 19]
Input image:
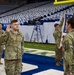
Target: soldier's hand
[60, 48]
[8, 28]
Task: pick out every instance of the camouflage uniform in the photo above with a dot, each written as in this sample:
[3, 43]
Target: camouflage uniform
[68, 48]
[13, 53]
[61, 22]
[58, 53]
[1, 43]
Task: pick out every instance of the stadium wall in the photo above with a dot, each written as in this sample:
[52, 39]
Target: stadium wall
[47, 30]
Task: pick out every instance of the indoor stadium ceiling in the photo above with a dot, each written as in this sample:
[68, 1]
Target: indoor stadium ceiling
[20, 1]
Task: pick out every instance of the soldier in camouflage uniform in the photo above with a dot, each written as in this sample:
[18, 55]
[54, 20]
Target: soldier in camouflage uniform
[14, 49]
[57, 35]
[1, 43]
[68, 48]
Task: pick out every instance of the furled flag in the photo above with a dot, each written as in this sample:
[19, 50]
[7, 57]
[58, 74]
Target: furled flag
[64, 32]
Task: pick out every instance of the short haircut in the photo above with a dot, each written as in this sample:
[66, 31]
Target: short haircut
[71, 22]
[13, 21]
[56, 24]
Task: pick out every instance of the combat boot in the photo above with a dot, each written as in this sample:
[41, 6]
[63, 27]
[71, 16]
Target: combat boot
[58, 64]
[1, 63]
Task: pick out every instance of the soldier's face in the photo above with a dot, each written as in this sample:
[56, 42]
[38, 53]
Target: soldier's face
[0, 26]
[15, 26]
[67, 26]
[58, 27]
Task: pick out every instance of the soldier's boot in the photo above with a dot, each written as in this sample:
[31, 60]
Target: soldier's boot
[65, 73]
[58, 64]
[22, 64]
[1, 63]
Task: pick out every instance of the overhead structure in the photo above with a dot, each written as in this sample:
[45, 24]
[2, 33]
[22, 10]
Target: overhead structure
[59, 2]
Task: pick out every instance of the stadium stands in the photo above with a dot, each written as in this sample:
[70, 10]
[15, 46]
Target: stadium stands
[4, 8]
[46, 10]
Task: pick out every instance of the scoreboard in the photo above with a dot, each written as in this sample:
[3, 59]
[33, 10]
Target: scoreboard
[59, 2]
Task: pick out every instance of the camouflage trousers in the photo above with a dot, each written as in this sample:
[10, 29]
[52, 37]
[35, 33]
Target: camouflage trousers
[13, 67]
[1, 51]
[58, 54]
[66, 68]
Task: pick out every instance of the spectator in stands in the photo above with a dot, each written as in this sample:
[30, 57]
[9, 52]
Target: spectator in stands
[57, 35]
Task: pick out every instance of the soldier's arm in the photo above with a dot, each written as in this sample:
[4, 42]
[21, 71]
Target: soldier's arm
[68, 53]
[57, 38]
[5, 37]
[55, 35]
[7, 33]
[22, 45]
[61, 22]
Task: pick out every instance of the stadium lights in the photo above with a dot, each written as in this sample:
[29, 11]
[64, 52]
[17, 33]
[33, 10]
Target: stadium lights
[59, 2]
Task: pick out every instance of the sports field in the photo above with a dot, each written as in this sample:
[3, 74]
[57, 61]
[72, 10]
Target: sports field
[38, 59]
[42, 46]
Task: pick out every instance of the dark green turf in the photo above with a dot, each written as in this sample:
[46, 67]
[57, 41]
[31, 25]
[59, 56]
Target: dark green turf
[50, 47]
